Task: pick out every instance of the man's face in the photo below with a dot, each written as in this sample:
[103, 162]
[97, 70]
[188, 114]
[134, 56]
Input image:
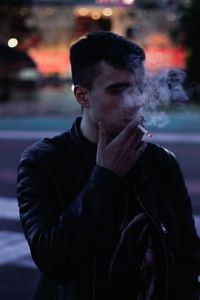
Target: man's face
[115, 98]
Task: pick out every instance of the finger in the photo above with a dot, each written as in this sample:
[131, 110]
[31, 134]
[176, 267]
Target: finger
[140, 150]
[102, 135]
[136, 139]
[130, 130]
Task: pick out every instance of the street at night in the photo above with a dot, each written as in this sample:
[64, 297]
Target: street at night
[126, 67]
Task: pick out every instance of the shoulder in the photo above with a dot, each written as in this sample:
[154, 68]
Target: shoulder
[46, 147]
[156, 149]
[160, 155]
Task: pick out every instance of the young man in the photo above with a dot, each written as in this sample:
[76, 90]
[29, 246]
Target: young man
[107, 215]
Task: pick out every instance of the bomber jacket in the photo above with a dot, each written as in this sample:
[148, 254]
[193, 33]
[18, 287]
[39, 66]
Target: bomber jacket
[71, 211]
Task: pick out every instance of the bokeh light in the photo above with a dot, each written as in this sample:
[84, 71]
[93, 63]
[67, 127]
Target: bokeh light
[13, 42]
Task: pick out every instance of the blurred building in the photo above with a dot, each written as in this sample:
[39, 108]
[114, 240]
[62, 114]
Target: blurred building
[59, 26]
[45, 29]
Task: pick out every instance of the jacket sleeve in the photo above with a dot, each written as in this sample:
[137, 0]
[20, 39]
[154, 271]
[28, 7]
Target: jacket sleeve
[58, 245]
[190, 242]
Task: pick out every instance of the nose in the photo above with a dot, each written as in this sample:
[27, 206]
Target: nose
[134, 100]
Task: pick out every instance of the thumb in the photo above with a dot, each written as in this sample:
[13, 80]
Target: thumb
[102, 135]
[101, 144]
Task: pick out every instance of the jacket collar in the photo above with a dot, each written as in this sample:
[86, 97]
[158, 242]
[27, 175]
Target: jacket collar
[80, 140]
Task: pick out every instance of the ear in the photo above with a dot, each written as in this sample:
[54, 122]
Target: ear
[81, 94]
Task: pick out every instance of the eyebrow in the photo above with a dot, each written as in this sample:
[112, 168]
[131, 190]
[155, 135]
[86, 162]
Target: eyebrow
[118, 85]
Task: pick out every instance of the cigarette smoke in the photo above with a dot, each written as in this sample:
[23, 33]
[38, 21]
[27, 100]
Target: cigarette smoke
[159, 91]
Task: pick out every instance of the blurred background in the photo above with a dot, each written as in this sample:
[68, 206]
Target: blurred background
[36, 98]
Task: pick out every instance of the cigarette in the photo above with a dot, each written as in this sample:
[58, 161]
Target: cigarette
[145, 131]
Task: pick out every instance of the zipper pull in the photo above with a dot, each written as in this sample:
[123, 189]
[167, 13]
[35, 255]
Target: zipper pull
[163, 228]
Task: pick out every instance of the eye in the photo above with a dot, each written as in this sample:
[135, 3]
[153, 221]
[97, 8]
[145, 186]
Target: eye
[117, 90]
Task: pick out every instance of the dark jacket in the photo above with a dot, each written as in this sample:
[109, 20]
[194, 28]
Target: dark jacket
[71, 211]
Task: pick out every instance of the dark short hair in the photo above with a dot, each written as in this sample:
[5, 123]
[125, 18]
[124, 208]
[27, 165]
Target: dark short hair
[89, 51]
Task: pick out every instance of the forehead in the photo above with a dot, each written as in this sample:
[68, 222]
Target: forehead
[109, 75]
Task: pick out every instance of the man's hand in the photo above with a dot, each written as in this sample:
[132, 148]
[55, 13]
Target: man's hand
[120, 154]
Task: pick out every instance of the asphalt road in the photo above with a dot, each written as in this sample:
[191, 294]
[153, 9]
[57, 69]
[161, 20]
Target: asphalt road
[18, 275]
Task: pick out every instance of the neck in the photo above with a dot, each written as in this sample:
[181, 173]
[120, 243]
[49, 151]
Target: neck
[89, 130]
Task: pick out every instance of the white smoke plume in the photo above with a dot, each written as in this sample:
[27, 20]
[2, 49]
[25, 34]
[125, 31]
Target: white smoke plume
[159, 91]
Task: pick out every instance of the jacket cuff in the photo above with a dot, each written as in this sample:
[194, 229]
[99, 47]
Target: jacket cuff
[106, 178]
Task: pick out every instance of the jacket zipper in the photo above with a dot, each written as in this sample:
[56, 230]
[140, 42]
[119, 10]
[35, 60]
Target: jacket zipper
[162, 242]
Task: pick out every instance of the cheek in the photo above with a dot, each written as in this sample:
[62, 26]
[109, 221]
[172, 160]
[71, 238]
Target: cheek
[107, 105]
[113, 111]
[108, 108]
